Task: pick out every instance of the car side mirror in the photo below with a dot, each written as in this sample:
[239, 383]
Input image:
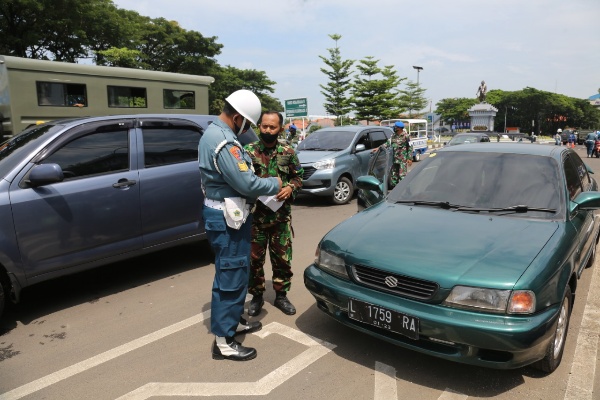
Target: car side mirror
[368, 182]
[360, 147]
[44, 174]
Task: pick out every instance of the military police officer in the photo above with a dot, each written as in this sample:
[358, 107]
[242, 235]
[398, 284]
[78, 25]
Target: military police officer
[402, 151]
[230, 188]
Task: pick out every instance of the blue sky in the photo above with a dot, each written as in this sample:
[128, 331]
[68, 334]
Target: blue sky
[550, 45]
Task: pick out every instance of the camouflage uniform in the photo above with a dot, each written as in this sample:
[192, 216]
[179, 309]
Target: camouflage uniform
[273, 228]
[403, 152]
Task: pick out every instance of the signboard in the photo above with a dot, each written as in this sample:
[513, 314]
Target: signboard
[296, 108]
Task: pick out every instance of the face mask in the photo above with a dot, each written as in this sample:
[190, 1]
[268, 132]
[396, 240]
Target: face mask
[268, 139]
[245, 126]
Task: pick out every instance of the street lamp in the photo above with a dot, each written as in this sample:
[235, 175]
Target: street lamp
[419, 69]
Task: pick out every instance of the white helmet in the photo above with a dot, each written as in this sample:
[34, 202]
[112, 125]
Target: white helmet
[559, 130]
[246, 103]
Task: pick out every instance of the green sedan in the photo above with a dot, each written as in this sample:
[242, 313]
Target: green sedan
[473, 257]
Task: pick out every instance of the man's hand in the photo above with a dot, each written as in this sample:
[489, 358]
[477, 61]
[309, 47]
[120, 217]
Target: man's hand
[285, 193]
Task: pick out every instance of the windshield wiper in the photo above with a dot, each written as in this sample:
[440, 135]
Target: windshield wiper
[516, 209]
[441, 204]
[334, 149]
[310, 148]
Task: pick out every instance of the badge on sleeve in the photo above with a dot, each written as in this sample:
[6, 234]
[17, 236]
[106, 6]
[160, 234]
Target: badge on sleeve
[235, 151]
[243, 167]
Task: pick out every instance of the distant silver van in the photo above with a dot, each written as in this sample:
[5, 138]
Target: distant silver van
[333, 158]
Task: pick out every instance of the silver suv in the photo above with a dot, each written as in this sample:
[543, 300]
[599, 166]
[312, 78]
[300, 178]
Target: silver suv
[333, 158]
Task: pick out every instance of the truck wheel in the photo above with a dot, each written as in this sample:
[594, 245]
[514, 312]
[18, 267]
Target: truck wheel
[417, 156]
[344, 190]
[555, 349]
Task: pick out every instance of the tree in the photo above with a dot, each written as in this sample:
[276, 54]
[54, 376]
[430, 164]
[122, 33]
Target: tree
[413, 97]
[229, 79]
[372, 98]
[335, 92]
[454, 109]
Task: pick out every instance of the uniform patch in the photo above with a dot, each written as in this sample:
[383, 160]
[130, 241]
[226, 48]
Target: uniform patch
[243, 166]
[235, 151]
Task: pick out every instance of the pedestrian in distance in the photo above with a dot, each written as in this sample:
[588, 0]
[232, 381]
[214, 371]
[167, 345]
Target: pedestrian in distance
[590, 143]
[230, 188]
[272, 220]
[402, 153]
[571, 140]
[558, 137]
[292, 134]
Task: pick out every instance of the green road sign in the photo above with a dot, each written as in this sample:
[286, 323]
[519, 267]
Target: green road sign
[296, 108]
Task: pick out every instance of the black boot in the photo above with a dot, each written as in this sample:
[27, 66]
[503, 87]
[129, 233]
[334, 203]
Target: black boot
[256, 305]
[247, 327]
[229, 349]
[282, 302]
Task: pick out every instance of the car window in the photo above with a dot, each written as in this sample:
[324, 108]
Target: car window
[582, 171]
[377, 138]
[485, 180]
[379, 164]
[572, 175]
[366, 140]
[170, 145]
[100, 152]
[327, 140]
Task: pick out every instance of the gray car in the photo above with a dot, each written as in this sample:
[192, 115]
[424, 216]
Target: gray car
[76, 194]
[332, 159]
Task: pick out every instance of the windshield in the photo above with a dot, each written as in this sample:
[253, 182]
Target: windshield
[12, 150]
[463, 139]
[486, 182]
[327, 140]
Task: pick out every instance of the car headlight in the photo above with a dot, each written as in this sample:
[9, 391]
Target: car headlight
[325, 164]
[492, 300]
[331, 263]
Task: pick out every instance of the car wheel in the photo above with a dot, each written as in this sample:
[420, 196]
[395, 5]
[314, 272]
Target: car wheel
[343, 191]
[417, 156]
[555, 349]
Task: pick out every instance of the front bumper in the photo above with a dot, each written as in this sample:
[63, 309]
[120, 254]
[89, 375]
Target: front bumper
[488, 340]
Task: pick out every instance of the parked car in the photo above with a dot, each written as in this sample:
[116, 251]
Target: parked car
[470, 137]
[473, 257]
[582, 136]
[80, 193]
[333, 158]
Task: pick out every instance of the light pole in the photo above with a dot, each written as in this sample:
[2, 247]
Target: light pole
[419, 69]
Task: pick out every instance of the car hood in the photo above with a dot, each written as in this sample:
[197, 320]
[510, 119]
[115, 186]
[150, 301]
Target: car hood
[311, 156]
[442, 246]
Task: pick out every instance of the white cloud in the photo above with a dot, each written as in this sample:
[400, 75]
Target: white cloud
[547, 44]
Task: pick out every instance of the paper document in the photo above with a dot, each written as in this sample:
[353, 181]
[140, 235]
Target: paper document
[271, 202]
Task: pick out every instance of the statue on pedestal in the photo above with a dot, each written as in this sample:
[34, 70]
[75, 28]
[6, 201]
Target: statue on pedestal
[481, 92]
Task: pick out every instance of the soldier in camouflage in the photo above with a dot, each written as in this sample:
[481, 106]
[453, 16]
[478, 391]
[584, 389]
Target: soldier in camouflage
[403, 153]
[272, 226]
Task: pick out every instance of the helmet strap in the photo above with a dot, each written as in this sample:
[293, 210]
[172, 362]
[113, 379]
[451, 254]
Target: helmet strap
[241, 128]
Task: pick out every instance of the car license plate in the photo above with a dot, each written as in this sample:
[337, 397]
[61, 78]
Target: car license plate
[383, 318]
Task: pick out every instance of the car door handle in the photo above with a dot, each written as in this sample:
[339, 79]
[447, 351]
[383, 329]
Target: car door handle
[123, 183]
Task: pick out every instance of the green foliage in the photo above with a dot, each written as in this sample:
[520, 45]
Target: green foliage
[529, 109]
[413, 98]
[374, 93]
[336, 89]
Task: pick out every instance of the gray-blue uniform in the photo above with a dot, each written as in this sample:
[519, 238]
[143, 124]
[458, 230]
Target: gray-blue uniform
[225, 168]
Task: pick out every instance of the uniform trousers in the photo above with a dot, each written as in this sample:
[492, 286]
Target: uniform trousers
[278, 237]
[232, 263]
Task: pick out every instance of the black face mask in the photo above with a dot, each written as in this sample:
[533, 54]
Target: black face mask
[268, 139]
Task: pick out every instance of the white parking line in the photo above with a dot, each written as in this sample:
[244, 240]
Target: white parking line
[386, 387]
[316, 349]
[452, 395]
[581, 379]
[82, 366]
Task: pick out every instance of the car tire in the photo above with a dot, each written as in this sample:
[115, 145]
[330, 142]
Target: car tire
[417, 156]
[556, 347]
[343, 192]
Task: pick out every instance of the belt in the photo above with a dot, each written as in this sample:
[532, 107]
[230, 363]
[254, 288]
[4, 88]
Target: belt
[220, 205]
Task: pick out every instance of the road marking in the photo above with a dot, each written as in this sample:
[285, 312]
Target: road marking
[449, 394]
[386, 387]
[316, 349]
[82, 366]
[583, 370]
